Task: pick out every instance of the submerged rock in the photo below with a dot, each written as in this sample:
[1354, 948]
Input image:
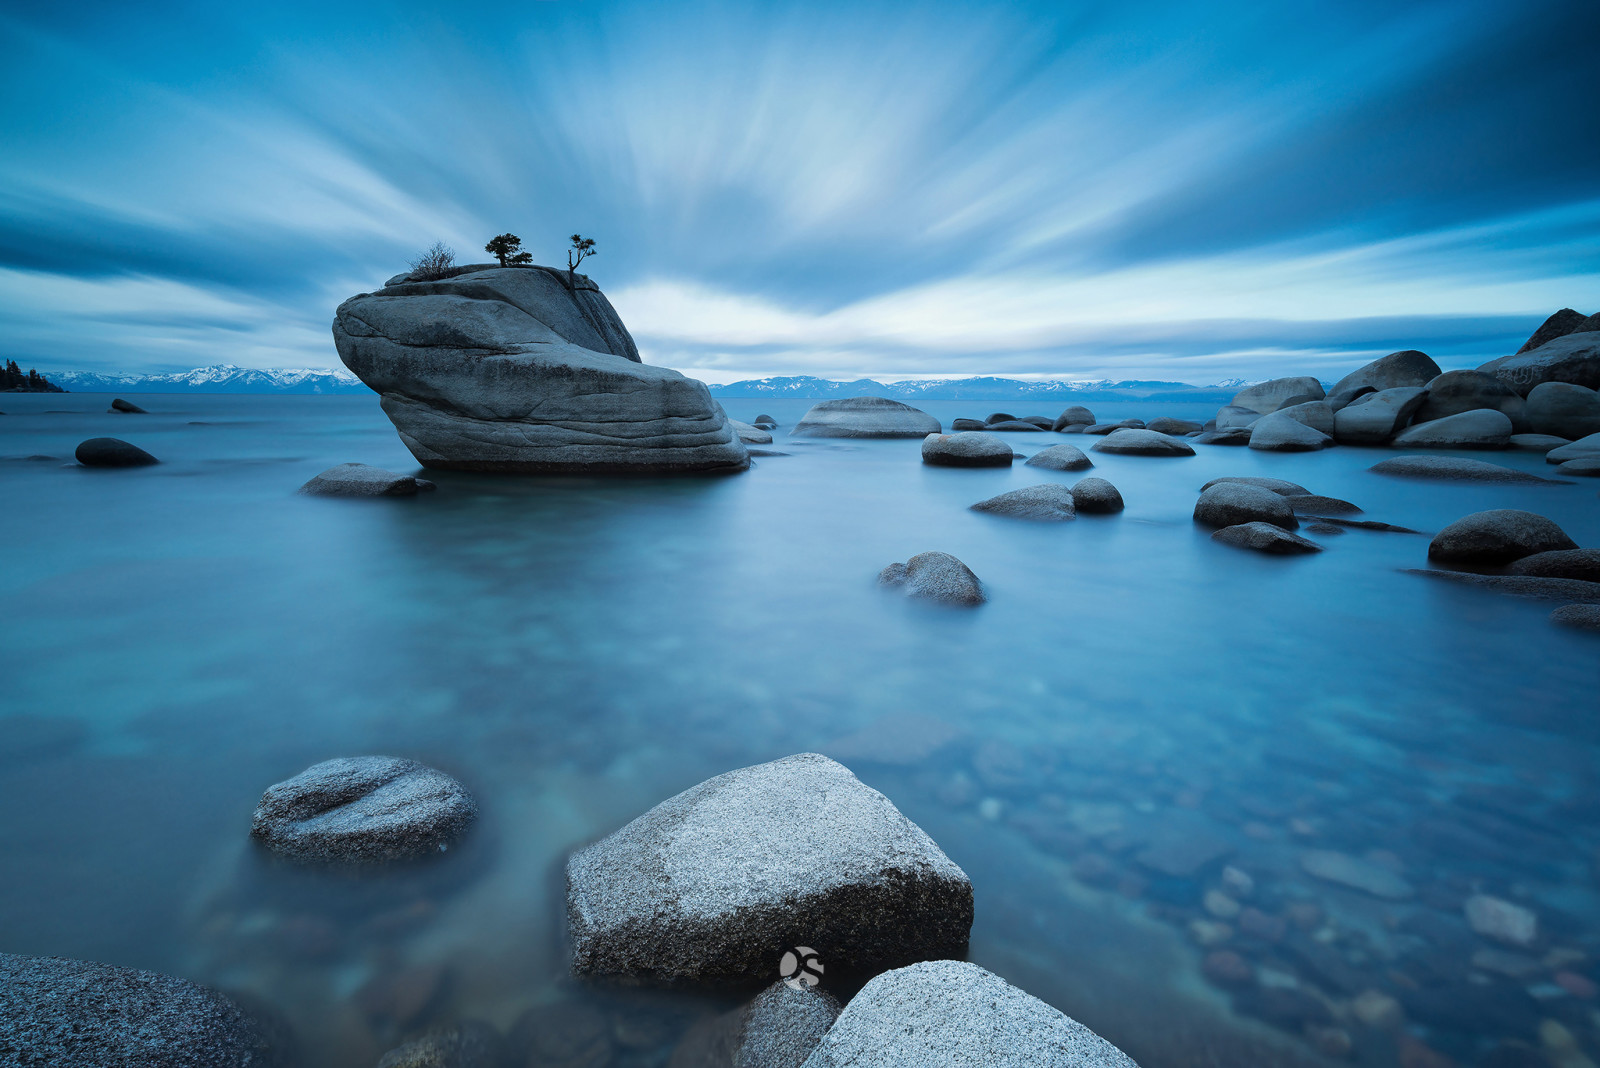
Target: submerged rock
[1582, 616]
[126, 407]
[1451, 469]
[1268, 397]
[1061, 458]
[1341, 868]
[1561, 563]
[363, 810]
[362, 480]
[1483, 428]
[865, 417]
[966, 449]
[1265, 538]
[956, 1015]
[1497, 536]
[1096, 496]
[778, 1029]
[1047, 501]
[1282, 432]
[935, 576]
[1137, 442]
[1226, 504]
[1501, 920]
[712, 883]
[1585, 468]
[1538, 587]
[524, 370]
[61, 1013]
[112, 452]
[468, 1044]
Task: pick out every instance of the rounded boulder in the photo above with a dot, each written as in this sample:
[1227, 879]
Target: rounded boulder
[1227, 504]
[1497, 536]
[112, 452]
[966, 449]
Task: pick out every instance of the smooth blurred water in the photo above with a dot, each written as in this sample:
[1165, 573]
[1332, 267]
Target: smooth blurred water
[179, 637]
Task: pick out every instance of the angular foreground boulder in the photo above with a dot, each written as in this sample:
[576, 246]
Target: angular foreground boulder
[934, 576]
[65, 1013]
[516, 370]
[363, 810]
[363, 480]
[957, 1015]
[865, 417]
[967, 449]
[715, 883]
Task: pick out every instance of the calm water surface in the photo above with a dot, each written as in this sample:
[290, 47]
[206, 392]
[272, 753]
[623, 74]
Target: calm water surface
[180, 637]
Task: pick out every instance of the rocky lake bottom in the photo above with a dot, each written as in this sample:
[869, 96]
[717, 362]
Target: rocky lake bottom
[1220, 807]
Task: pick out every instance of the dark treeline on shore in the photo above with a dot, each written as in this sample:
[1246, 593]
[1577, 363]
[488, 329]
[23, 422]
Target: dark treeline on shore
[14, 380]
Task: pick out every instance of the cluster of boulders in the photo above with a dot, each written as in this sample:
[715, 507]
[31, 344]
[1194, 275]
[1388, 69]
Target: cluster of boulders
[1524, 554]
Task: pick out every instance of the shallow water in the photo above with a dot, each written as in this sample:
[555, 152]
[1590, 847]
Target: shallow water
[575, 650]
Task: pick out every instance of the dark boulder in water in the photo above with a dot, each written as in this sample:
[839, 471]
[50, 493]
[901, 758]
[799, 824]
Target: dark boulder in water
[1096, 496]
[1582, 616]
[1047, 501]
[1452, 468]
[1561, 563]
[1497, 536]
[967, 425]
[934, 576]
[61, 1013]
[468, 1044]
[1265, 538]
[966, 449]
[1136, 441]
[363, 810]
[1226, 504]
[112, 452]
[1060, 458]
[363, 480]
[127, 407]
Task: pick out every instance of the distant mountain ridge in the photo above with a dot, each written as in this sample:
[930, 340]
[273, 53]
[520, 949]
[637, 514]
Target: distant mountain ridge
[227, 378]
[221, 378]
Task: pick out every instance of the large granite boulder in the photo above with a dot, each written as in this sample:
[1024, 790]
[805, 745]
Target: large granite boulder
[1076, 415]
[1318, 415]
[1396, 370]
[1096, 496]
[1060, 458]
[1574, 358]
[516, 370]
[1455, 392]
[1563, 410]
[112, 452]
[968, 449]
[363, 480]
[1497, 536]
[715, 883]
[1233, 417]
[777, 1029]
[1135, 442]
[1049, 501]
[957, 1015]
[60, 1013]
[363, 810]
[1226, 504]
[1268, 397]
[1485, 428]
[1374, 418]
[1585, 448]
[1452, 469]
[934, 576]
[865, 417]
[1560, 324]
[1281, 432]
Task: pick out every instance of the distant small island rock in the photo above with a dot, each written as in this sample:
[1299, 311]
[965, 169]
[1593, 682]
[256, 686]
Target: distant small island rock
[865, 417]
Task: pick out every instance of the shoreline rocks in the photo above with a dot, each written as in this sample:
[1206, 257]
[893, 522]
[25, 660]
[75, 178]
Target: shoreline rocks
[1482, 428]
[513, 370]
[1282, 432]
[777, 1029]
[865, 417]
[1267, 397]
[362, 811]
[1374, 418]
[935, 576]
[1452, 468]
[711, 884]
[1405, 369]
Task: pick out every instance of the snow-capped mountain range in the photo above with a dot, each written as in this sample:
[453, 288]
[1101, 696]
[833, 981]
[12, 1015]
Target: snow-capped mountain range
[227, 378]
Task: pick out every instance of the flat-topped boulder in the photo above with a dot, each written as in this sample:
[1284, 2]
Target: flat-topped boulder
[966, 449]
[522, 370]
[1483, 428]
[715, 883]
[1374, 418]
[934, 576]
[363, 810]
[61, 1013]
[1574, 358]
[957, 1015]
[865, 417]
[1451, 469]
[1049, 501]
[1497, 536]
[363, 480]
[1268, 397]
[1398, 369]
[1135, 442]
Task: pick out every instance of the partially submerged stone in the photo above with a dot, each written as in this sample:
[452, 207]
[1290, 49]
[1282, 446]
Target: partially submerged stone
[1482, 428]
[865, 417]
[1136, 442]
[715, 883]
[1226, 504]
[126, 407]
[1074, 415]
[1497, 536]
[1265, 538]
[61, 1013]
[1096, 496]
[1060, 458]
[1587, 448]
[1451, 469]
[1049, 501]
[1281, 432]
[362, 480]
[1579, 616]
[363, 810]
[1561, 563]
[1358, 874]
[934, 576]
[957, 1015]
[777, 1029]
[112, 452]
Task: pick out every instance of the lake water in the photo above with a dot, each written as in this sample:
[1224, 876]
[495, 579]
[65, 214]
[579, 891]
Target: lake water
[179, 637]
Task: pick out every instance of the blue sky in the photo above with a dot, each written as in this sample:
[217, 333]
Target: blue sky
[1139, 188]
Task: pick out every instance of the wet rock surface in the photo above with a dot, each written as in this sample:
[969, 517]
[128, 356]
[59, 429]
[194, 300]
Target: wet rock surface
[1452, 469]
[1061, 458]
[1136, 442]
[1096, 496]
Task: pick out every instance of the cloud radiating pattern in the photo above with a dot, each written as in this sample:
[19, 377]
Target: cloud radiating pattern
[1139, 189]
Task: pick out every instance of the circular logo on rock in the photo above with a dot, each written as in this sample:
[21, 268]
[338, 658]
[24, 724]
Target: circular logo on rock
[800, 968]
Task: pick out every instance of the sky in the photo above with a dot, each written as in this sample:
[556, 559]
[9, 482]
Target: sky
[1125, 189]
